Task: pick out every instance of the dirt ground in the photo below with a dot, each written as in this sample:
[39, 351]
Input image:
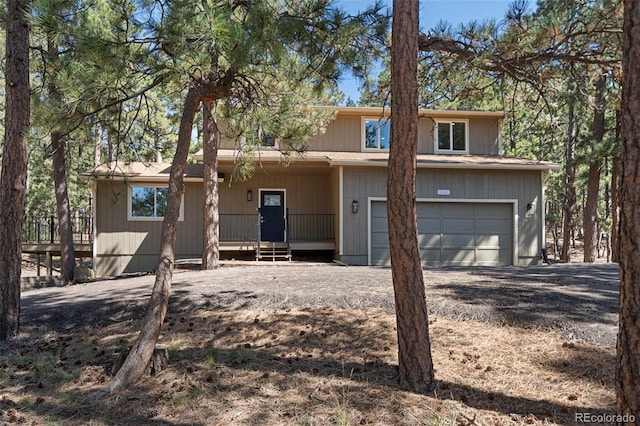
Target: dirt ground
[315, 344]
[580, 300]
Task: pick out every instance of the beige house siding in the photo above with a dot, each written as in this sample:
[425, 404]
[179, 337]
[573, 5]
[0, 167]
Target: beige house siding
[335, 188]
[344, 134]
[124, 245]
[523, 186]
[484, 136]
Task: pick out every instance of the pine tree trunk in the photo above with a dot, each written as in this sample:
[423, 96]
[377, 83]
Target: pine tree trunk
[63, 209]
[14, 164]
[615, 210]
[414, 351]
[211, 234]
[615, 195]
[628, 347]
[570, 188]
[590, 216]
[142, 351]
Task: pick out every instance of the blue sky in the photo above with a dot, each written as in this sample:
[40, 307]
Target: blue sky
[431, 12]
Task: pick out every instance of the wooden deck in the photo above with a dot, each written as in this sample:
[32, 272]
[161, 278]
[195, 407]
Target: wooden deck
[49, 250]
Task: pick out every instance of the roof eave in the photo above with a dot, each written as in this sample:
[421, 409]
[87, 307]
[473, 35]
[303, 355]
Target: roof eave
[437, 165]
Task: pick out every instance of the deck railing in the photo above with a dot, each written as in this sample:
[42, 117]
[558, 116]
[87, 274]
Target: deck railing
[44, 229]
[300, 227]
[311, 227]
[233, 228]
[238, 227]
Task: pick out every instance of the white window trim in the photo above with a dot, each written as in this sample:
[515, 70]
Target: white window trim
[363, 139]
[132, 218]
[451, 151]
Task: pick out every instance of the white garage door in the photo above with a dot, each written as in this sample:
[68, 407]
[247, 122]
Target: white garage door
[461, 234]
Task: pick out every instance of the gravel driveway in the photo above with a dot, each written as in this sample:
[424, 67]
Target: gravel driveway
[579, 299]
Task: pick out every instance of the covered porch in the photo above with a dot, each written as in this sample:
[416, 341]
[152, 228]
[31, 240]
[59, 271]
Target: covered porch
[284, 209]
[303, 232]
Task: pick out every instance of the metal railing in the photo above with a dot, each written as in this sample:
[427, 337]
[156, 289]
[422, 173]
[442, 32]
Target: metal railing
[44, 229]
[311, 227]
[300, 227]
[238, 227]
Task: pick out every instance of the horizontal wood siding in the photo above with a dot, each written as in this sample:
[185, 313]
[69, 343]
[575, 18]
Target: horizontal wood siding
[524, 186]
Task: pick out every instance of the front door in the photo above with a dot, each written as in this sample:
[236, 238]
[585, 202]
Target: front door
[272, 213]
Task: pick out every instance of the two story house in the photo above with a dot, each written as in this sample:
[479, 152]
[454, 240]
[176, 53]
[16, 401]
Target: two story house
[475, 206]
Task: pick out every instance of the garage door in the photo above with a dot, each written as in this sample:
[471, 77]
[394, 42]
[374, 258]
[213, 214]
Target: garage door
[460, 234]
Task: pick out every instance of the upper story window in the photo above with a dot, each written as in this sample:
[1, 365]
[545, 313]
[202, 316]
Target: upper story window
[377, 133]
[148, 202]
[268, 140]
[452, 136]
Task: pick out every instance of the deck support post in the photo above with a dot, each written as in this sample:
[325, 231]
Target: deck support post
[49, 264]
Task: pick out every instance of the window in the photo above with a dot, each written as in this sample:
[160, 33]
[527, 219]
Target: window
[268, 140]
[377, 134]
[148, 202]
[451, 136]
[272, 200]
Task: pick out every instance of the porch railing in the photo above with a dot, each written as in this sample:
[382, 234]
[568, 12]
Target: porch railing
[238, 227]
[300, 227]
[311, 227]
[44, 229]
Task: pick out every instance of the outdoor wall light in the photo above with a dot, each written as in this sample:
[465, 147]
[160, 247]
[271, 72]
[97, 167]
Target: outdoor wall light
[249, 195]
[530, 210]
[354, 206]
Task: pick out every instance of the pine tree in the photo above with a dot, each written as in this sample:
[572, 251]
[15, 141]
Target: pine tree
[232, 51]
[13, 179]
[414, 349]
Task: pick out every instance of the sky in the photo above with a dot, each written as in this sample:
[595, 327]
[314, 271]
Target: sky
[431, 12]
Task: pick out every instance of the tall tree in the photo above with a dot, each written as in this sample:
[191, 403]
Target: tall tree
[14, 164]
[247, 43]
[210, 144]
[569, 205]
[59, 153]
[595, 163]
[414, 349]
[142, 350]
[70, 72]
[628, 347]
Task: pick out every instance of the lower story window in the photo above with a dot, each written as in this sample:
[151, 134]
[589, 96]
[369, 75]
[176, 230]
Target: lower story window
[148, 202]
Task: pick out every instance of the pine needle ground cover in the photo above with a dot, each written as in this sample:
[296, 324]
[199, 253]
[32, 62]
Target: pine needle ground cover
[306, 366]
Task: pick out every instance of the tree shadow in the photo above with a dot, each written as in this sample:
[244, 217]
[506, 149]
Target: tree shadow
[561, 297]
